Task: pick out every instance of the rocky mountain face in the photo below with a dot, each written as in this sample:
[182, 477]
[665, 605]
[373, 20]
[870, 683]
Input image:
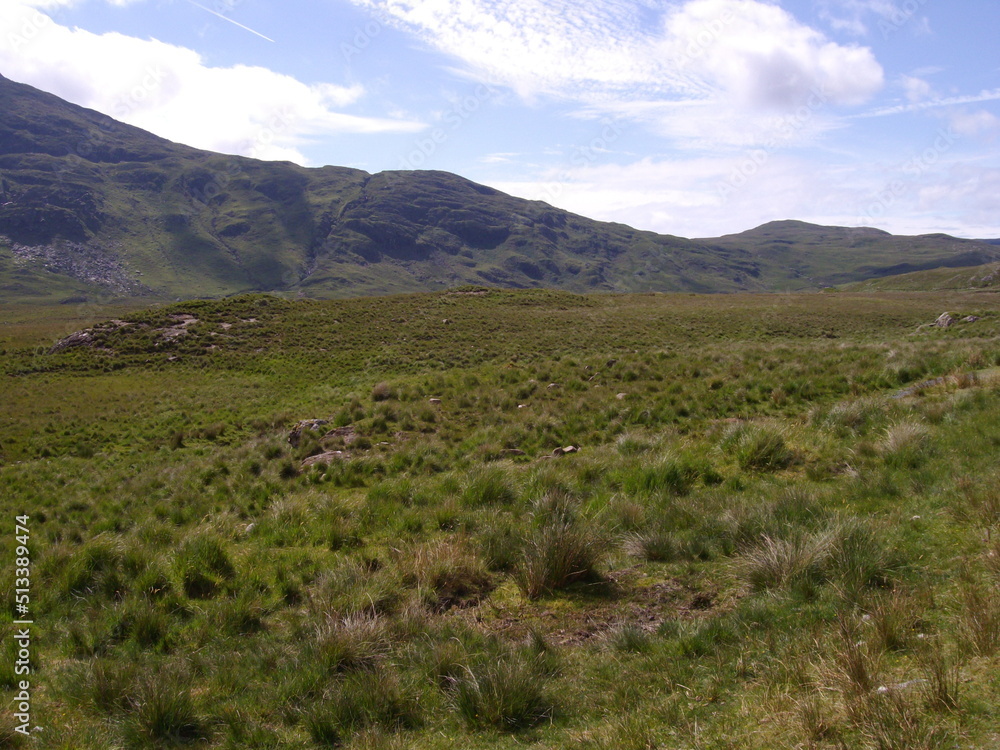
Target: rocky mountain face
[91, 206]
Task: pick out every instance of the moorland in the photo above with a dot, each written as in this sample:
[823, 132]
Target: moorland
[495, 519]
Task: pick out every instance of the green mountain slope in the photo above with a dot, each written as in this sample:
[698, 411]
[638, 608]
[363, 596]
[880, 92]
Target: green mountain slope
[939, 279]
[797, 255]
[90, 207]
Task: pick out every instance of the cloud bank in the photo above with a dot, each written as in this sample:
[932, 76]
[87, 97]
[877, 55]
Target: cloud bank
[171, 91]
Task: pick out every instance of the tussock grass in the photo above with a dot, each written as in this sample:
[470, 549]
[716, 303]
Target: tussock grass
[354, 604]
[561, 549]
[506, 693]
[757, 447]
[905, 444]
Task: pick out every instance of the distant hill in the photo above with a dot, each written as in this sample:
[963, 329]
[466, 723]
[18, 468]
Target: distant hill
[92, 207]
[797, 255]
[940, 279]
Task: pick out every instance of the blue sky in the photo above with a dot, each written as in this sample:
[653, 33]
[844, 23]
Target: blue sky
[688, 117]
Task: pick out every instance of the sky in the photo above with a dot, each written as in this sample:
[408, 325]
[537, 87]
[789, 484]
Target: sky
[695, 118]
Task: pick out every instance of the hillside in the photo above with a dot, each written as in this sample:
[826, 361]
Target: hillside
[91, 208]
[797, 255]
[940, 279]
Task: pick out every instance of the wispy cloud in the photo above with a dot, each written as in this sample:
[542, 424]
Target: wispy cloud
[949, 101]
[651, 62]
[230, 20]
[171, 91]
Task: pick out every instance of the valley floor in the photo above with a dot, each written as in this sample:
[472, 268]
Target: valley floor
[513, 519]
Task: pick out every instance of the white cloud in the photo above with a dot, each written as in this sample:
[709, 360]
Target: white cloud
[696, 197]
[980, 123]
[738, 61]
[170, 91]
[856, 16]
[916, 89]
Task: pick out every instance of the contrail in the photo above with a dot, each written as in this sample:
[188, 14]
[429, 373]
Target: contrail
[226, 18]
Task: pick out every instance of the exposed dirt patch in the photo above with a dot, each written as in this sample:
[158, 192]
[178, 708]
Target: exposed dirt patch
[578, 615]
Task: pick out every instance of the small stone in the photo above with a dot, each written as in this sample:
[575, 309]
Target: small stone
[322, 458]
[944, 321]
[621, 396]
[435, 401]
[570, 449]
[970, 319]
[303, 425]
[552, 385]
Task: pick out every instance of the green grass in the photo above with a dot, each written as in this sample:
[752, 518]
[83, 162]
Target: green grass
[765, 530]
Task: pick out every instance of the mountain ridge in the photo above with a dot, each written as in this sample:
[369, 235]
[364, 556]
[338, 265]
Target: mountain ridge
[91, 206]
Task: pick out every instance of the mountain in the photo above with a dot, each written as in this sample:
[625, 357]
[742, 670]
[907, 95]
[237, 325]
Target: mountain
[985, 277]
[90, 206]
[797, 255]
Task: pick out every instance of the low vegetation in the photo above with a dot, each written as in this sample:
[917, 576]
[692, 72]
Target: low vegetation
[551, 521]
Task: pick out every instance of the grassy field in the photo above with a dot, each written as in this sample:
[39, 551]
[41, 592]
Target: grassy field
[527, 519]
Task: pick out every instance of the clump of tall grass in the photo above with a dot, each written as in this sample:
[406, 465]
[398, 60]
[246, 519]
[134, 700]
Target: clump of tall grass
[97, 569]
[383, 392]
[654, 545]
[801, 560]
[979, 618]
[357, 642]
[857, 416]
[667, 474]
[379, 699]
[489, 486]
[204, 566]
[506, 692]
[561, 549]
[757, 447]
[905, 444]
[164, 711]
[448, 573]
[854, 553]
